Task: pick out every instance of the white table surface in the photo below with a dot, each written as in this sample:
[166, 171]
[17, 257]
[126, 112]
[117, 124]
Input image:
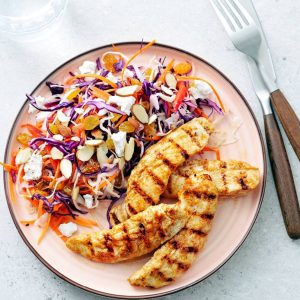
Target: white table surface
[268, 263]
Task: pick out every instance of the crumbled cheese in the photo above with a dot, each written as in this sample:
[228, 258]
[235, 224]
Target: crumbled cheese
[67, 229]
[88, 67]
[89, 200]
[23, 156]
[63, 118]
[125, 103]
[111, 77]
[119, 140]
[40, 101]
[128, 73]
[33, 168]
[201, 90]
[41, 116]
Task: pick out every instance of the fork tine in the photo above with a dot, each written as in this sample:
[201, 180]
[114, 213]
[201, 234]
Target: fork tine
[226, 19]
[230, 9]
[243, 12]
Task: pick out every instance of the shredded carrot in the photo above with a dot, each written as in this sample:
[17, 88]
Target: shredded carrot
[40, 209]
[121, 120]
[100, 93]
[25, 222]
[80, 99]
[161, 78]
[212, 149]
[36, 132]
[115, 48]
[70, 80]
[11, 190]
[85, 222]
[134, 56]
[44, 229]
[153, 138]
[200, 113]
[110, 179]
[211, 86]
[8, 167]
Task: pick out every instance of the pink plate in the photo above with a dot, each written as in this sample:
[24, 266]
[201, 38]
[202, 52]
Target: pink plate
[233, 221]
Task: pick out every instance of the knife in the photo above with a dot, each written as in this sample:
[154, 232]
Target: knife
[264, 82]
[285, 112]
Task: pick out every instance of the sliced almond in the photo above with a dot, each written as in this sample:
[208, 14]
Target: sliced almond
[23, 156]
[165, 97]
[66, 168]
[128, 90]
[152, 119]
[64, 130]
[58, 137]
[129, 149]
[121, 163]
[101, 154]
[171, 80]
[75, 138]
[140, 113]
[56, 153]
[75, 193]
[166, 90]
[85, 153]
[93, 143]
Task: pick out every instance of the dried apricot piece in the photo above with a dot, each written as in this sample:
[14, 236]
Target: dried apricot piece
[109, 61]
[127, 127]
[150, 130]
[115, 117]
[23, 138]
[148, 73]
[90, 122]
[110, 144]
[183, 68]
[53, 128]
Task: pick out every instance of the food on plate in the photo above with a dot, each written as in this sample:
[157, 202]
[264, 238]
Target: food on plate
[232, 177]
[177, 255]
[114, 129]
[141, 233]
[150, 177]
[86, 134]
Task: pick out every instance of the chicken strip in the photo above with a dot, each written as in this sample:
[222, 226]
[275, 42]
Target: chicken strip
[139, 235]
[232, 178]
[150, 177]
[177, 255]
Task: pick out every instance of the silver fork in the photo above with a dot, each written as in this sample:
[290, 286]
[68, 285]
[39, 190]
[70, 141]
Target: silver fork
[239, 25]
[246, 37]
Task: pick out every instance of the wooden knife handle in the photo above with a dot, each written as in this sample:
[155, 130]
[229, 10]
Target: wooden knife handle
[283, 177]
[288, 118]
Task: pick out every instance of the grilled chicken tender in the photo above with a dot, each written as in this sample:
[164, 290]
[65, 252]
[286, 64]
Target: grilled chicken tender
[232, 178]
[150, 177]
[139, 235]
[177, 255]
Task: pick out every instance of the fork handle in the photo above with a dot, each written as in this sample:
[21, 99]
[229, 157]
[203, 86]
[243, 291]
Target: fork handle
[283, 177]
[288, 118]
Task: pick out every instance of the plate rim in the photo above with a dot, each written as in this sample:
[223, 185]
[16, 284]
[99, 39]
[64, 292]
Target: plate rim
[159, 294]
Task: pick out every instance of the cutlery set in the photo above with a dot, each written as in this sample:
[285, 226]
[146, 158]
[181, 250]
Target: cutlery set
[244, 29]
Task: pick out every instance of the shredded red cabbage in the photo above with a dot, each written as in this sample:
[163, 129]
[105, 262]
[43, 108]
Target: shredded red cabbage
[53, 108]
[65, 147]
[55, 89]
[98, 64]
[210, 103]
[102, 105]
[119, 65]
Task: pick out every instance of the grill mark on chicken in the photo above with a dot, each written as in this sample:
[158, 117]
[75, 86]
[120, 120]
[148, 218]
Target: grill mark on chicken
[131, 210]
[115, 218]
[200, 233]
[108, 242]
[156, 179]
[243, 184]
[136, 187]
[193, 137]
[166, 161]
[128, 245]
[182, 151]
[207, 216]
